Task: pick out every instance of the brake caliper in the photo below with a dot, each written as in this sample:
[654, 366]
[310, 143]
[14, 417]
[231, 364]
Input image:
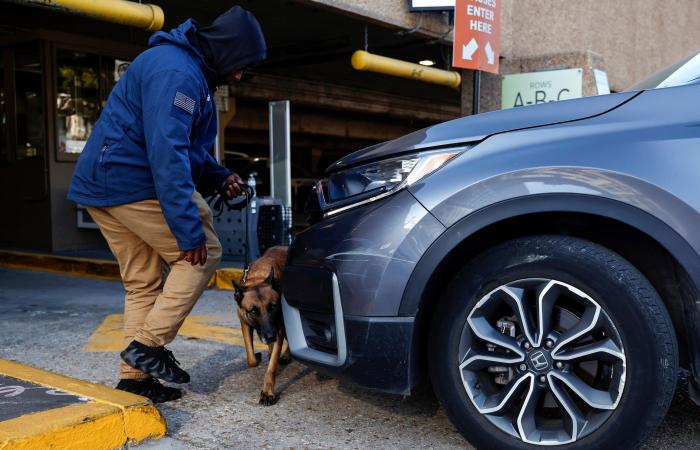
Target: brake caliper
[503, 374]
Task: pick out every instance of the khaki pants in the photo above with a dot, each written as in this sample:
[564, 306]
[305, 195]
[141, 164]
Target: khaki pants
[140, 239]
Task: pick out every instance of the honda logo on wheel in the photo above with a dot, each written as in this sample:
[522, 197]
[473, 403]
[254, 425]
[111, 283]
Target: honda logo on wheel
[539, 360]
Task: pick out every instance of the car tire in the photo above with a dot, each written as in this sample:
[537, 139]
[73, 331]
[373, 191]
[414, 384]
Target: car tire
[628, 356]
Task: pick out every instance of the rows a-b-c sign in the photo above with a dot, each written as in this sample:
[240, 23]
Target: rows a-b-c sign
[476, 35]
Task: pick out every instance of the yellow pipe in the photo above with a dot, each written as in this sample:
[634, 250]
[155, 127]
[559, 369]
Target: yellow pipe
[362, 60]
[145, 16]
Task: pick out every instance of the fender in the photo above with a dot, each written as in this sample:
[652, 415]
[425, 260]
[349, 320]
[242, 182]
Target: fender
[575, 203]
[415, 296]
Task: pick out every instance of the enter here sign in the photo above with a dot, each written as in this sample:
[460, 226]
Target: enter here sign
[477, 35]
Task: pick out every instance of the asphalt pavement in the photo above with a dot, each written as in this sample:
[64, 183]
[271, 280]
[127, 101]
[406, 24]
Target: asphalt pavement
[66, 324]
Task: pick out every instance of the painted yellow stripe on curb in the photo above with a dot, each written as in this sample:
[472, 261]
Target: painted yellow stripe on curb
[88, 267]
[99, 269]
[119, 399]
[49, 256]
[58, 271]
[89, 426]
[109, 421]
[109, 337]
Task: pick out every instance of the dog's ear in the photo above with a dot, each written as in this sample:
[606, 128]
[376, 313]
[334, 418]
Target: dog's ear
[237, 292]
[272, 280]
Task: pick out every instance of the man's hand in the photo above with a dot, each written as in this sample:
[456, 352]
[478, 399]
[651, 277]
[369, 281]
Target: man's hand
[196, 255]
[233, 186]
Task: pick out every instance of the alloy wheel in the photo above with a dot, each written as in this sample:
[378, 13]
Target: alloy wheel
[542, 361]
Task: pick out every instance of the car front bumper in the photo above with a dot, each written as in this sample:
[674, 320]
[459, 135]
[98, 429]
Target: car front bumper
[343, 285]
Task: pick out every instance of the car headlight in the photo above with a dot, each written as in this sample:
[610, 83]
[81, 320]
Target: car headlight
[363, 184]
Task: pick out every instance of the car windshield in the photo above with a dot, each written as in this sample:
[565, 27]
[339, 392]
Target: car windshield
[686, 71]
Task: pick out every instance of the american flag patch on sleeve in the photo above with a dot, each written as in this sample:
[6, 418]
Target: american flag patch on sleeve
[184, 102]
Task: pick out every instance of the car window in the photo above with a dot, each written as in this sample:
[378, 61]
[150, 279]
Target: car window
[687, 71]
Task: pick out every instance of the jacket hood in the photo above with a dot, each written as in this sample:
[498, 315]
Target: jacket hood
[233, 41]
[181, 36]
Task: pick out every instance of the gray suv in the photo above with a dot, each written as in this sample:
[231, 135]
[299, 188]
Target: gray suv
[540, 265]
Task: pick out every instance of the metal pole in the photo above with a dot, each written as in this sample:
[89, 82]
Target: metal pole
[217, 139]
[476, 92]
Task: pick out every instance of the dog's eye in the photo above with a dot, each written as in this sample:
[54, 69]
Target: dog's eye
[253, 312]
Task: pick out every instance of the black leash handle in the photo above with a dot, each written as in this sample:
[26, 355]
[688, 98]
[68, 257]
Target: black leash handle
[219, 200]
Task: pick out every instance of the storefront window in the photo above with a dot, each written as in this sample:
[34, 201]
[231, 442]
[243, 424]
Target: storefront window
[78, 100]
[83, 83]
[29, 111]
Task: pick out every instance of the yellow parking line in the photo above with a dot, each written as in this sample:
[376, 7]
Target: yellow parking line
[109, 337]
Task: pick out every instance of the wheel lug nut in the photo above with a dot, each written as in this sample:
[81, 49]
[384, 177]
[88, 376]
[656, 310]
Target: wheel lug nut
[543, 379]
[523, 367]
[559, 364]
[526, 345]
[549, 343]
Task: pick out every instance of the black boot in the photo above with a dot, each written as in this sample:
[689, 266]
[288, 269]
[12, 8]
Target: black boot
[150, 388]
[158, 362]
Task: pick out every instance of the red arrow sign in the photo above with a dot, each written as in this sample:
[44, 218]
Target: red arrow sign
[476, 36]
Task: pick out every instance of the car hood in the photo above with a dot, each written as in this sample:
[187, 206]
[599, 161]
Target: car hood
[478, 127]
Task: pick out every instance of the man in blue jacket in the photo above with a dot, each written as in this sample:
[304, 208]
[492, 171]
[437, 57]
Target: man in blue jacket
[142, 175]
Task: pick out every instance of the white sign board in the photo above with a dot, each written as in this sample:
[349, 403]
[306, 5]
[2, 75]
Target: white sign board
[431, 5]
[523, 89]
[601, 81]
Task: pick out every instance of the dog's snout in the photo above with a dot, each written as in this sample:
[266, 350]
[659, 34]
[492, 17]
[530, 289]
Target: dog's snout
[268, 336]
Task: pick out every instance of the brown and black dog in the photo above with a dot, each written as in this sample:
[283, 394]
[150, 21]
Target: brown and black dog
[258, 298]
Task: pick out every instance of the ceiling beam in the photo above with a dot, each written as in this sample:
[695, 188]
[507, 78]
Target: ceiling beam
[317, 123]
[392, 13]
[343, 98]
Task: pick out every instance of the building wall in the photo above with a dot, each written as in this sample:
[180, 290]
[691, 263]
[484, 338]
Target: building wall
[491, 84]
[65, 235]
[634, 37]
[630, 39]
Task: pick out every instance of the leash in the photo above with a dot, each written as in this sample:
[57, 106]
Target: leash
[218, 202]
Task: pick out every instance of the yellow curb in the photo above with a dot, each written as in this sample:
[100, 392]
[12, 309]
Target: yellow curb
[226, 276]
[93, 268]
[109, 421]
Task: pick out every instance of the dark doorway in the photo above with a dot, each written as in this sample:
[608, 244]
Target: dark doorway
[24, 187]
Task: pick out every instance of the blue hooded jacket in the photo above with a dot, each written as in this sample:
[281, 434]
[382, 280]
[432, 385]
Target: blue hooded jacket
[153, 137]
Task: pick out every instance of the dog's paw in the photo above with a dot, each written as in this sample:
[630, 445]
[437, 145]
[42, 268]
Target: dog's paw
[285, 359]
[266, 399]
[256, 363]
[322, 377]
